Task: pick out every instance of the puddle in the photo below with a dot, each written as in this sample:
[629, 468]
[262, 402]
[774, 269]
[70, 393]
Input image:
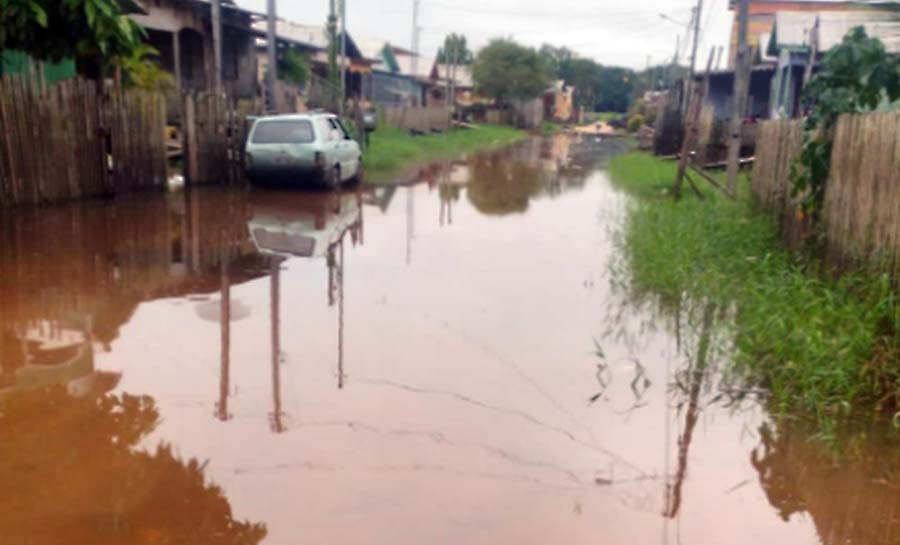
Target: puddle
[449, 362]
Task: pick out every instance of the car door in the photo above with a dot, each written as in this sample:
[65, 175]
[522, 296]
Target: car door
[329, 141]
[347, 149]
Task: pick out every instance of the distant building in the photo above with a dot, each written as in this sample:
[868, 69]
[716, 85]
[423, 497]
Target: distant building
[181, 30]
[559, 102]
[399, 76]
[763, 14]
[312, 40]
[789, 47]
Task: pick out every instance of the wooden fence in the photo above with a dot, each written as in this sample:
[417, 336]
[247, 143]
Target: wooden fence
[861, 215]
[215, 129]
[862, 199]
[425, 119]
[67, 140]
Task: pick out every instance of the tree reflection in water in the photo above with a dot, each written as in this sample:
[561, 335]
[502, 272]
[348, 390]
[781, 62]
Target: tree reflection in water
[853, 498]
[70, 472]
[500, 187]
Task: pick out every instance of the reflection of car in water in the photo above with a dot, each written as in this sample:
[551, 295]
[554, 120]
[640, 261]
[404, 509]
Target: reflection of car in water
[288, 224]
[40, 359]
[296, 148]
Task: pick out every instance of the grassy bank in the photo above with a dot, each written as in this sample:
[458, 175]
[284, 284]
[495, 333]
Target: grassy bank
[391, 151]
[821, 347]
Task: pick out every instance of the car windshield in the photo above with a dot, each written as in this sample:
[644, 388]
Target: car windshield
[284, 132]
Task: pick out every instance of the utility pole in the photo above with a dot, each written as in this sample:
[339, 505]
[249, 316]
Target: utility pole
[698, 11]
[272, 48]
[334, 83]
[343, 56]
[415, 42]
[216, 12]
[741, 88]
[452, 82]
[674, 70]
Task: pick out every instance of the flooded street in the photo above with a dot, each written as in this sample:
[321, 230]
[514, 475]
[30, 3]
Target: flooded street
[456, 361]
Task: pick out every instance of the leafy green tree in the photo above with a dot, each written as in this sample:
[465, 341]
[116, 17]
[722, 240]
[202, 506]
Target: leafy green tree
[455, 51]
[554, 59]
[94, 32]
[293, 67]
[505, 70]
[597, 87]
[856, 76]
[139, 70]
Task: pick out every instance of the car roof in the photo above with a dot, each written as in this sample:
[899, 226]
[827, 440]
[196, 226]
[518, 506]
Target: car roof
[294, 117]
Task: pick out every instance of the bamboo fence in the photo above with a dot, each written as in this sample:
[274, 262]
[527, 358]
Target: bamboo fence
[778, 144]
[861, 214]
[862, 200]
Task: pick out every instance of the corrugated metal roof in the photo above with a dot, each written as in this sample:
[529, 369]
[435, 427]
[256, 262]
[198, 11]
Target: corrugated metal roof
[314, 36]
[794, 29]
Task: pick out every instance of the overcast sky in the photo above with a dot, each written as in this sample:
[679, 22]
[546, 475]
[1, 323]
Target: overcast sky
[614, 32]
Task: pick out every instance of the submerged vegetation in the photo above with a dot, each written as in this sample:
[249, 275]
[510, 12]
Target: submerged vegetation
[391, 150]
[820, 347]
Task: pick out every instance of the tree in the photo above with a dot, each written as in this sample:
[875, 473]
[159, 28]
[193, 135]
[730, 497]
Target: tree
[597, 87]
[293, 67]
[856, 76]
[505, 70]
[455, 51]
[94, 32]
[554, 59]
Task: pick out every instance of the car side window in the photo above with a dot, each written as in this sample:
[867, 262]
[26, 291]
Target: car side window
[344, 132]
[337, 132]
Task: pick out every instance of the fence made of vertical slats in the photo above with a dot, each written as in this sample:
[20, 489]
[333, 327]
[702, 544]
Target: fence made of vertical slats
[862, 198]
[861, 214]
[68, 140]
[215, 129]
[778, 143]
[422, 119]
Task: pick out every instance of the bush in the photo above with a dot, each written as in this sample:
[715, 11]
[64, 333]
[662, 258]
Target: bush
[635, 122]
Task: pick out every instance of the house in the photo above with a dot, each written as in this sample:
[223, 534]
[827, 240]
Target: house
[181, 30]
[763, 14]
[312, 41]
[559, 102]
[399, 76]
[720, 93]
[790, 45]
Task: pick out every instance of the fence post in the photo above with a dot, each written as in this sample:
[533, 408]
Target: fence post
[190, 139]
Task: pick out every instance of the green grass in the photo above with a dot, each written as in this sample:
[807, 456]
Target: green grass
[548, 128]
[391, 151]
[822, 348]
[593, 117]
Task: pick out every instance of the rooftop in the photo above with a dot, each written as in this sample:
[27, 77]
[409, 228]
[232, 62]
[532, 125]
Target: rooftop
[793, 30]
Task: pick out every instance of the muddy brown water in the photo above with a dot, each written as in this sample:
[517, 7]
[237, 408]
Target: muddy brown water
[457, 361]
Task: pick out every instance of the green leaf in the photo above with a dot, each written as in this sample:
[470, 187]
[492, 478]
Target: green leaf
[39, 14]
